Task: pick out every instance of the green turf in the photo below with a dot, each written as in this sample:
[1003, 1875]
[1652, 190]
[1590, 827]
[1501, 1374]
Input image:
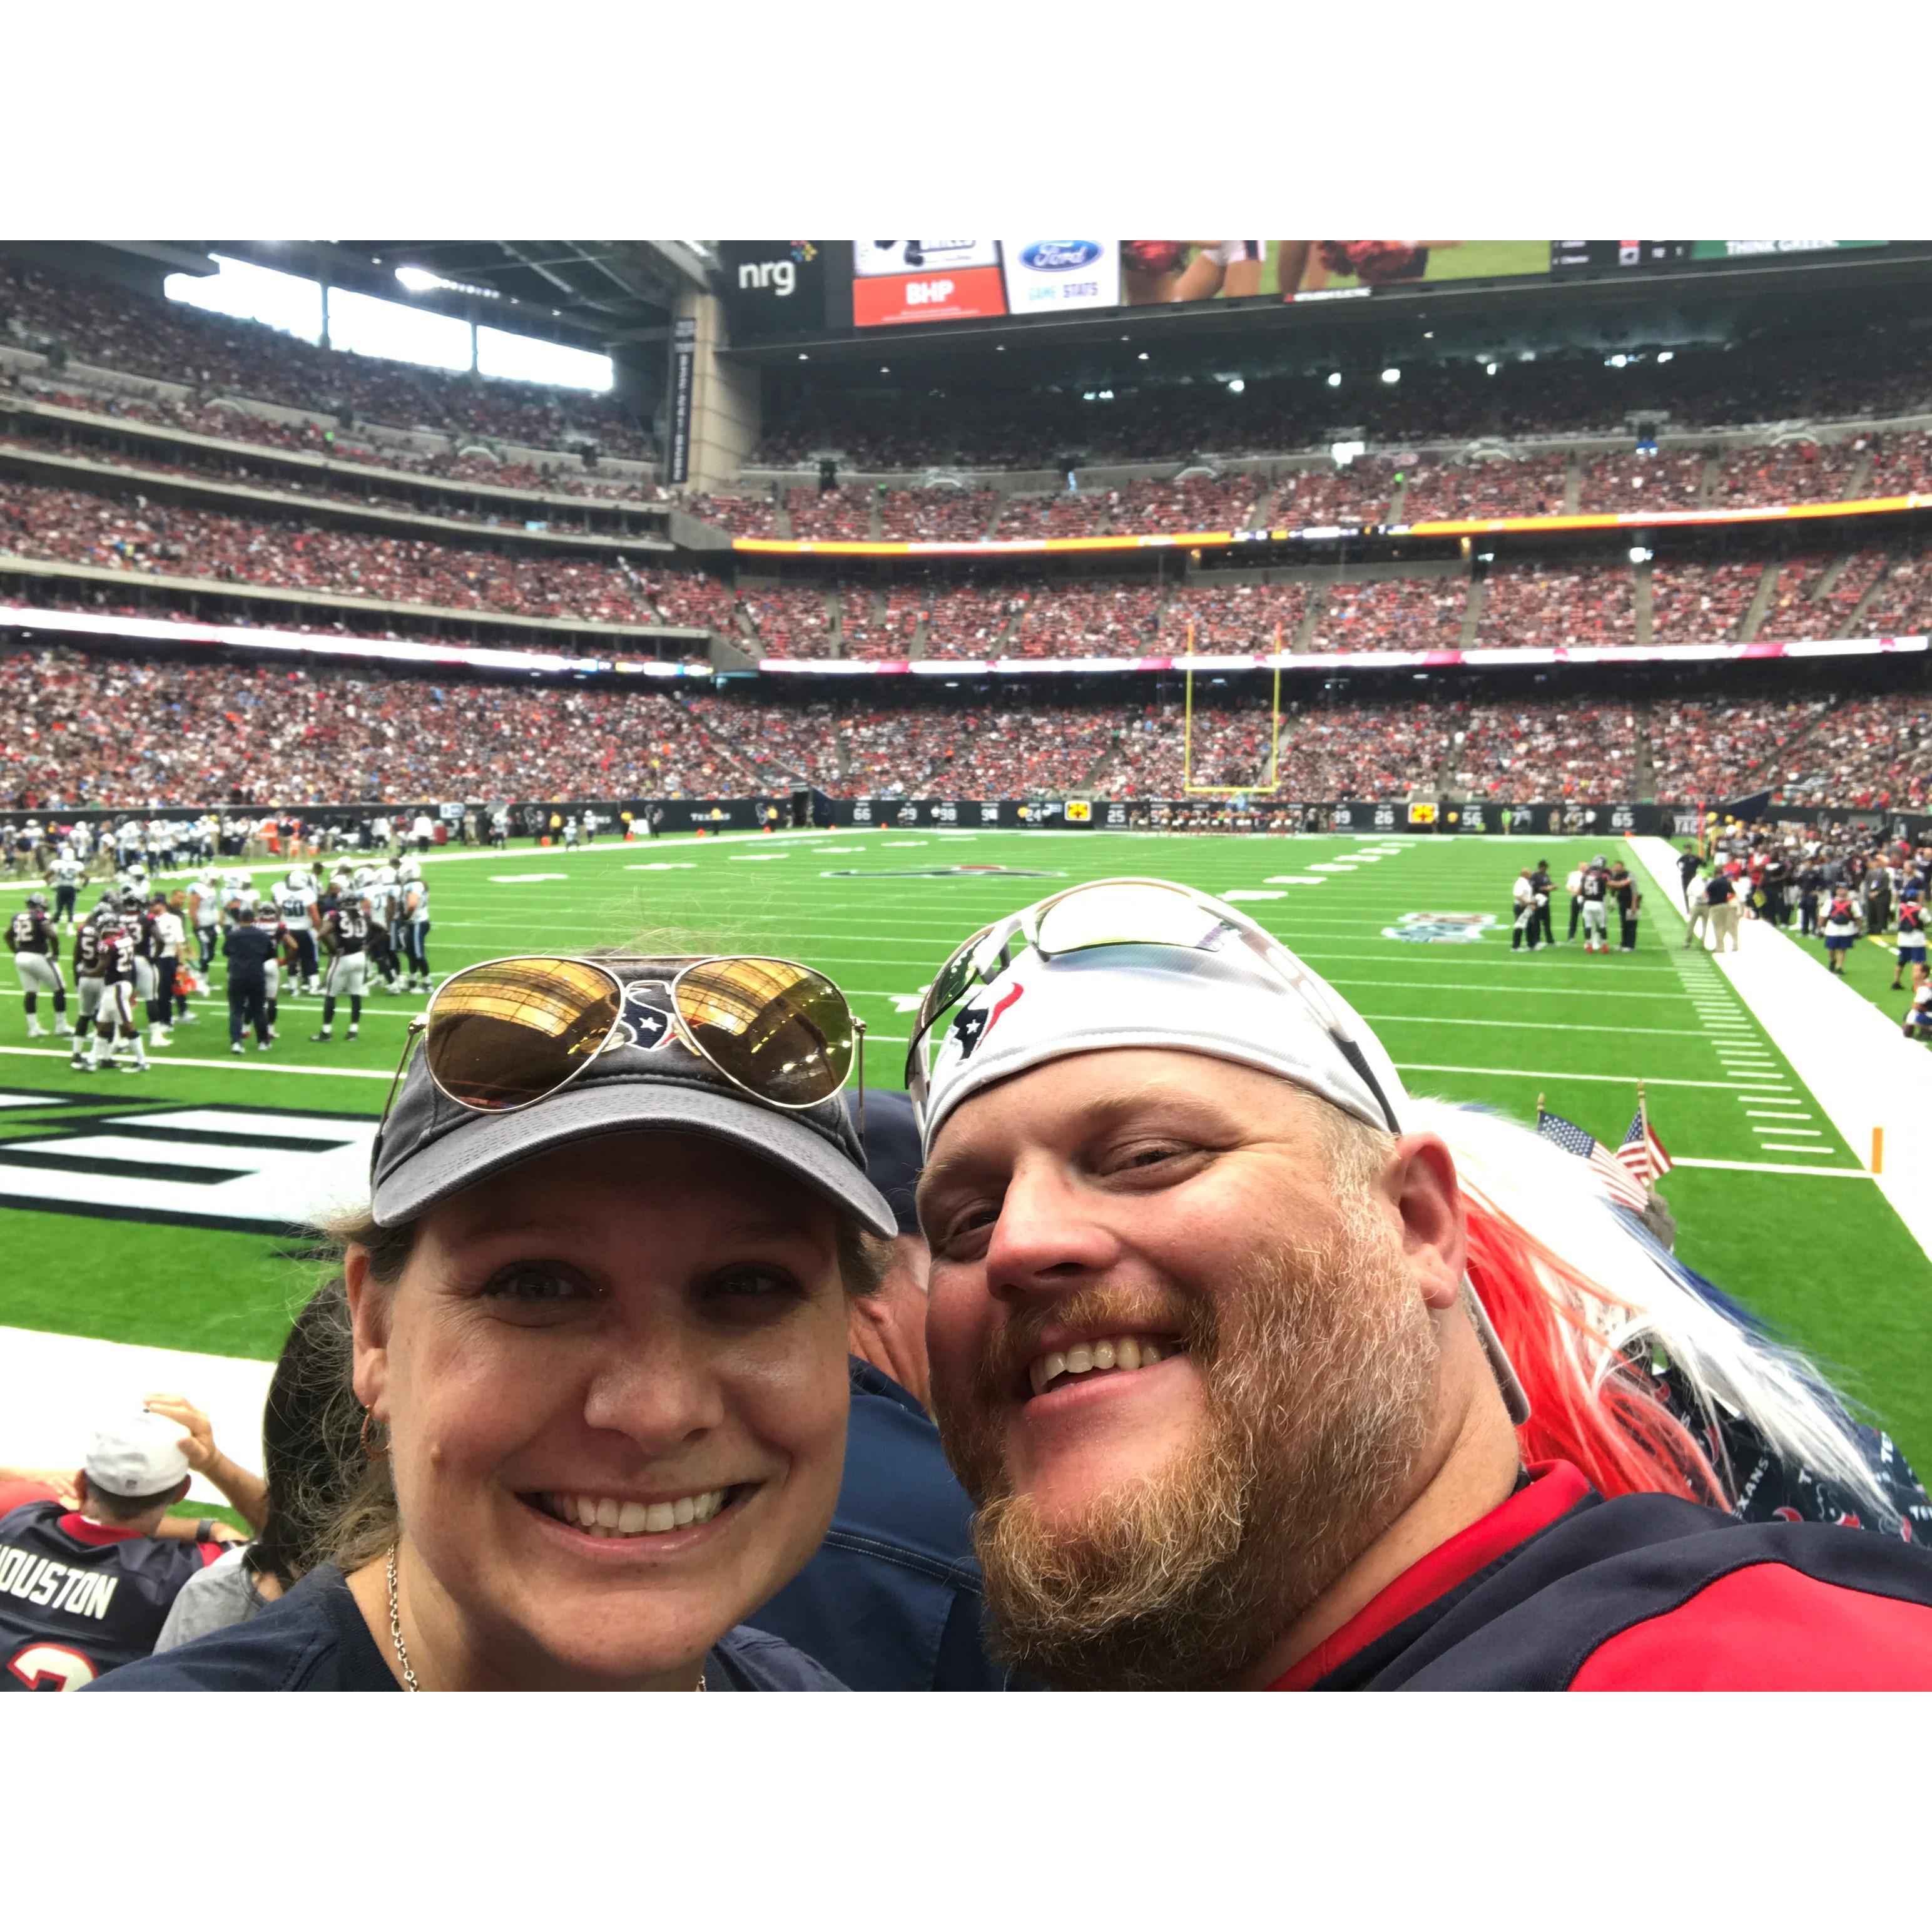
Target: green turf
[1826, 1258]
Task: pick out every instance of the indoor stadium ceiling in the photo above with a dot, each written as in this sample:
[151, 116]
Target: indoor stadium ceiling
[598, 294]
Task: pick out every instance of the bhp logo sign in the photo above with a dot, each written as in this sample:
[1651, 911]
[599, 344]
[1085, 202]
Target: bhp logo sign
[880, 301]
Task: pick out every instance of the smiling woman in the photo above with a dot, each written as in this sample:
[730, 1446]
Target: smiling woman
[599, 1356]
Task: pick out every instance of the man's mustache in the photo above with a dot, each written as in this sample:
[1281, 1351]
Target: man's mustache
[1099, 1309]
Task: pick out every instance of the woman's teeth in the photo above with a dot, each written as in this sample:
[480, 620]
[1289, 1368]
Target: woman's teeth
[1087, 1358]
[603, 1516]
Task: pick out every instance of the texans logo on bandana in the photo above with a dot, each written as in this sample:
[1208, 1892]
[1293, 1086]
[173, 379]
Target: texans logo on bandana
[968, 1027]
[973, 1023]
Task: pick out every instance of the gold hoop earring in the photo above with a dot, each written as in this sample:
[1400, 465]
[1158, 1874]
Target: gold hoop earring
[369, 1449]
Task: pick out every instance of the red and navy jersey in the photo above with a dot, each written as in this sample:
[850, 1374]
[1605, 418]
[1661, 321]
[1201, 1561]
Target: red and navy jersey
[346, 927]
[77, 1600]
[1558, 1589]
[1911, 922]
[32, 931]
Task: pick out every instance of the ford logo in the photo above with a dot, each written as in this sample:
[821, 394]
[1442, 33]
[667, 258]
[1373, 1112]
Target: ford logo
[1040, 256]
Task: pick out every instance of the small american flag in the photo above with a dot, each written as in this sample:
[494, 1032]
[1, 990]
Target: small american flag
[1625, 1190]
[1642, 1153]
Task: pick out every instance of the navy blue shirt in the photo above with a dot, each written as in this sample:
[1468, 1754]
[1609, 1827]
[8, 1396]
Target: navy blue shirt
[315, 1639]
[248, 948]
[892, 1600]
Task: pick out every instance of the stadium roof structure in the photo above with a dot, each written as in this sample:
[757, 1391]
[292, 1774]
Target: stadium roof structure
[598, 295]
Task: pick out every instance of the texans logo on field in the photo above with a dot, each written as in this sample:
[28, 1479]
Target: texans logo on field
[1440, 929]
[258, 1170]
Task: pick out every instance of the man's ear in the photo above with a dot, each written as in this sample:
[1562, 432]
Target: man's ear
[181, 1488]
[1428, 1198]
[369, 1327]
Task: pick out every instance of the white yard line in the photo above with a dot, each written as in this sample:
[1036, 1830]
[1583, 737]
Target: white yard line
[1776, 1167]
[1862, 1073]
[251, 1062]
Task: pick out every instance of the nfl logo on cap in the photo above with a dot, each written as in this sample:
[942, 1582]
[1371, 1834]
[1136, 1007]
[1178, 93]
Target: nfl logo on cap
[137, 1456]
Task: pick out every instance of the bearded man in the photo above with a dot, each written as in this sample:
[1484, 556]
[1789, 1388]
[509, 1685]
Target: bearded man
[1206, 1355]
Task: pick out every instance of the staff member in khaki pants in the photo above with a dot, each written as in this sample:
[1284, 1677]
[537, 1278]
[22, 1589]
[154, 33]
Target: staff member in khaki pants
[1721, 896]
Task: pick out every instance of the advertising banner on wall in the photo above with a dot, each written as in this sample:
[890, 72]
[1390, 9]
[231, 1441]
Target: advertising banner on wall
[896, 282]
[683, 376]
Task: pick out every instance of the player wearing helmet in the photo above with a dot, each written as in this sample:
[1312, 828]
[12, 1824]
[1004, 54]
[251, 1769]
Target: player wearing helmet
[64, 875]
[34, 941]
[204, 913]
[383, 898]
[296, 903]
[415, 918]
[105, 954]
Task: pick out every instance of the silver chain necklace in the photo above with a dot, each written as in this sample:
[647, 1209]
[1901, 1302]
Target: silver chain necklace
[396, 1631]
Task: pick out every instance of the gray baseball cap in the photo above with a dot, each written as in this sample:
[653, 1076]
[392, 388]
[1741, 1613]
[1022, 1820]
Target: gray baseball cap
[431, 1146]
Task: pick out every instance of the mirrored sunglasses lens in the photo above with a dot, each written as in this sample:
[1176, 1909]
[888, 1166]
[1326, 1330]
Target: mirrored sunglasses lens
[952, 981]
[1125, 915]
[505, 1034]
[782, 1031]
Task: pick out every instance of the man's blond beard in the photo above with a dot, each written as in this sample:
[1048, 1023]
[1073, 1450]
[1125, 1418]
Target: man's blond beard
[1320, 1374]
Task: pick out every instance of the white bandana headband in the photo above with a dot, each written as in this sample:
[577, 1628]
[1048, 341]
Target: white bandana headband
[1221, 999]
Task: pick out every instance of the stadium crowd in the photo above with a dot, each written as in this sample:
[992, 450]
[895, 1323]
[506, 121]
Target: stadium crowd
[134, 533]
[87, 727]
[81, 729]
[338, 485]
[1392, 614]
[1709, 750]
[1530, 605]
[1700, 603]
[106, 324]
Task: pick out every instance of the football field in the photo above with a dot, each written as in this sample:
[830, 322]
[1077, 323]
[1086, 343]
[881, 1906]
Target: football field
[163, 1209]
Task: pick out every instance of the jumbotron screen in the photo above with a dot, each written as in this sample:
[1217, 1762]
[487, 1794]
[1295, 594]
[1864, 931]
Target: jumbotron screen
[777, 289]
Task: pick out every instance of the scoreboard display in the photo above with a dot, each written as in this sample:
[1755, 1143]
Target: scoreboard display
[1621, 257]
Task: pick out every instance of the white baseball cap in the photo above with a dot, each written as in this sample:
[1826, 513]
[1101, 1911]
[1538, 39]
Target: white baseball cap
[136, 1455]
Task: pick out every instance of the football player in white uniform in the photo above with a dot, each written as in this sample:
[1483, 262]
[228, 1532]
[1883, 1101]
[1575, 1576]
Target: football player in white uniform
[296, 903]
[65, 875]
[415, 917]
[204, 912]
[383, 898]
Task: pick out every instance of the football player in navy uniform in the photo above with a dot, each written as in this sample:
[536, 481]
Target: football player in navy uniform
[86, 1589]
[90, 954]
[115, 1029]
[34, 943]
[283, 960]
[345, 932]
[1595, 888]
